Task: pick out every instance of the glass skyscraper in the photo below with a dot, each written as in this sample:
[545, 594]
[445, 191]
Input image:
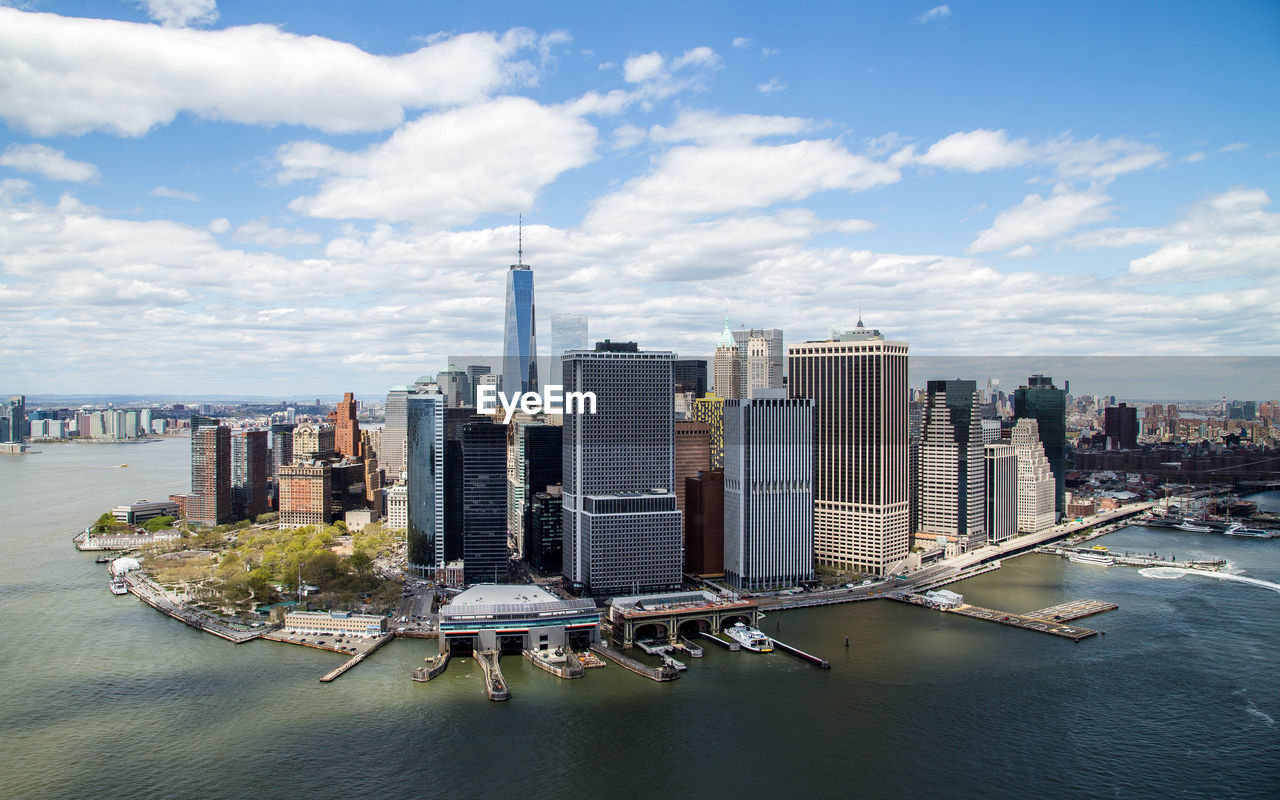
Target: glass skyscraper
[1041, 401]
[568, 332]
[519, 342]
[424, 450]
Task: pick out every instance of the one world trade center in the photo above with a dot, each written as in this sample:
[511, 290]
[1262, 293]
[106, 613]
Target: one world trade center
[519, 344]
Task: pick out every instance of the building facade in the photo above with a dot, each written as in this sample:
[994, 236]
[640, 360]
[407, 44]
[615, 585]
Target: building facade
[763, 358]
[346, 428]
[704, 524]
[1001, 489]
[568, 332]
[709, 410]
[210, 500]
[306, 494]
[1035, 489]
[727, 365]
[1041, 401]
[250, 474]
[519, 338]
[424, 468]
[951, 477]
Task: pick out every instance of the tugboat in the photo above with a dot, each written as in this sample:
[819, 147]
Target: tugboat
[750, 638]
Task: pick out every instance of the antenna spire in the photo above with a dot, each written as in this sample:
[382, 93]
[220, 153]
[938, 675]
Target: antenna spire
[520, 241]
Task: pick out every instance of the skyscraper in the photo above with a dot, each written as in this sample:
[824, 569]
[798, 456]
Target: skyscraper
[622, 530]
[951, 479]
[768, 490]
[568, 332]
[858, 382]
[690, 375]
[1121, 426]
[16, 415]
[249, 473]
[1040, 401]
[710, 411]
[281, 447]
[392, 456]
[424, 465]
[210, 500]
[728, 365]
[519, 341]
[1035, 478]
[484, 501]
[762, 359]
[346, 428]
[1001, 487]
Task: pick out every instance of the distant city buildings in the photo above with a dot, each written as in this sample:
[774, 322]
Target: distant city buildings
[1121, 427]
[346, 428]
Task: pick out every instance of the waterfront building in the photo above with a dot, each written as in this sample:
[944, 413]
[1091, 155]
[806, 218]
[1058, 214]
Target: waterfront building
[704, 524]
[1041, 401]
[693, 454]
[140, 511]
[568, 332]
[397, 502]
[1001, 490]
[313, 441]
[1120, 424]
[336, 622]
[768, 490]
[622, 530]
[210, 500]
[951, 477]
[689, 376]
[519, 338]
[513, 619]
[1035, 478]
[346, 428]
[709, 410]
[144, 421]
[306, 494]
[544, 540]
[858, 382]
[763, 355]
[250, 471]
[424, 468]
[915, 415]
[728, 365]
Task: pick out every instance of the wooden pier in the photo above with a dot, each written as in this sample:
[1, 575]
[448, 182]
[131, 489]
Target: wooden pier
[1023, 621]
[1076, 609]
[357, 658]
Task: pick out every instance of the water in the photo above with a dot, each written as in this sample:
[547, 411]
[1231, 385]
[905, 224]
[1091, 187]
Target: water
[104, 695]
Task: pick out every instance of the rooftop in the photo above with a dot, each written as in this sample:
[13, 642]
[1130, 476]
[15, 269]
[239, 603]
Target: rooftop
[491, 594]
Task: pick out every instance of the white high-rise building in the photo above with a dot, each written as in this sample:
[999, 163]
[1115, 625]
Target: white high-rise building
[768, 490]
[1036, 483]
[950, 480]
[727, 366]
[391, 457]
[762, 359]
[622, 530]
[1001, 492]
[858, 382]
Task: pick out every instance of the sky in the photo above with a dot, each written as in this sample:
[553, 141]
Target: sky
[310, 197]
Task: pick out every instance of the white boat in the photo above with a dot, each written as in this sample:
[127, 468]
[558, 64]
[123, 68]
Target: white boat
[118, 586]
[1097, 557]
[1254, 533]
[1190, 525]
[750, 638]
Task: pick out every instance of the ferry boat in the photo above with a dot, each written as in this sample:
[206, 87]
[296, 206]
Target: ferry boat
[1193, 526]
[1098, 556]
[1253, 533]
[750, 638]
[118, 586]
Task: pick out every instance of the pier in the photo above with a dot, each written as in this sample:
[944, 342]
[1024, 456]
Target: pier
[689, 647]
[568, 669]
[495, 685]
[1129, 560]
[664, 673]
[436, 666]
[800, 654]
[1023, 621]
[721, 642]
[357, 658]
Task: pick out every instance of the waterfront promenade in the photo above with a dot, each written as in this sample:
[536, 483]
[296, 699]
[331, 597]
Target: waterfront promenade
[155, 596]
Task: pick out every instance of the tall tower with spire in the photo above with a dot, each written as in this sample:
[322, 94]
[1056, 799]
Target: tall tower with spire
[519, 340]
[727, 367]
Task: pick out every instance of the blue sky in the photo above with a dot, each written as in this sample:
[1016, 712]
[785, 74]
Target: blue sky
[311, 197]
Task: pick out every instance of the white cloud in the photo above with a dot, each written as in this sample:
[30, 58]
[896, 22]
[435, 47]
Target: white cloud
[766, 52]
[741, 41]
[627, 136]
[935, 13]
[704, 126]
[447, 168]
[981, 150]
[181, 13]
[1229, 148]
[175, 194]
[1037, 219]
[647, 67]
[79, 75]
[771, 86]
[259, 231]
[220, 225]
[1194, 158]
[46, 161]
[1026, 251]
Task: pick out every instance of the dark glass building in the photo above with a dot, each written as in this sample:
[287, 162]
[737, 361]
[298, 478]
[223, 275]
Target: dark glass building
[1047, 405]
[484, 501]
[545, 545]
[249, 472]
[424, 467]
[1120, 423]
[690, 375]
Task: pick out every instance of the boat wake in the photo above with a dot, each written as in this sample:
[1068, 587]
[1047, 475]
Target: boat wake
[1254, 711]
[1169, 573]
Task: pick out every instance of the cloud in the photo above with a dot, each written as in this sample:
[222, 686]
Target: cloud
[79, 75]
[1194, 158]
[693, 125]
[982, 150]
[1026, 251]
[259, 231]
[444, 169]
[1229, 148]
[771, 86]
[220, 225]
[935, 13]
[181, 13]
[766, 52]
[741, 41]
[1037, 219]
[647, 67]
[52, 164]
[175, 194]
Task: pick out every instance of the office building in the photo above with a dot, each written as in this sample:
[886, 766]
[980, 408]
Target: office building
[519, 340]
[1001, 490]
[397, 502]
[313, 441]
[763, 356]
[306, 494]
[1120, 424]
[455, 386]
[424, 468]
[1036, 482]
[858, 382]
[951, 476]
[281, 448]
[484, 500]
[622, 530]
[768, 490]
[568, 332]
[693, 454]
[1040, 401]
[392, 454]
[250, 473]
[534, 462]
[709, 410]
[544, 526]
[210, 500]
[15, 417]
[704, 524]
[728, 365]
[474, 372]
[346, 429]
[689, 376]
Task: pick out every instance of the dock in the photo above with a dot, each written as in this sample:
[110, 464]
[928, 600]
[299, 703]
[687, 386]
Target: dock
[1132, 560]
[664, 673]
[798, 653]
[568, 669]
[1023, 621]
[495, 685]
[689, 647]
[721, 642]
[357, 658]
[1076, 609]
[437, 666]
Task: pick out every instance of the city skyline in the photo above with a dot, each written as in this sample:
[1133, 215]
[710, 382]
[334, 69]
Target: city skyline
[218, 230]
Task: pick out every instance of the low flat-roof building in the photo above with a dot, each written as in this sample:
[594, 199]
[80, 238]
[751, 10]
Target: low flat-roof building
[671, 614]
[512, 618]
[336, 622]
[140, 511]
